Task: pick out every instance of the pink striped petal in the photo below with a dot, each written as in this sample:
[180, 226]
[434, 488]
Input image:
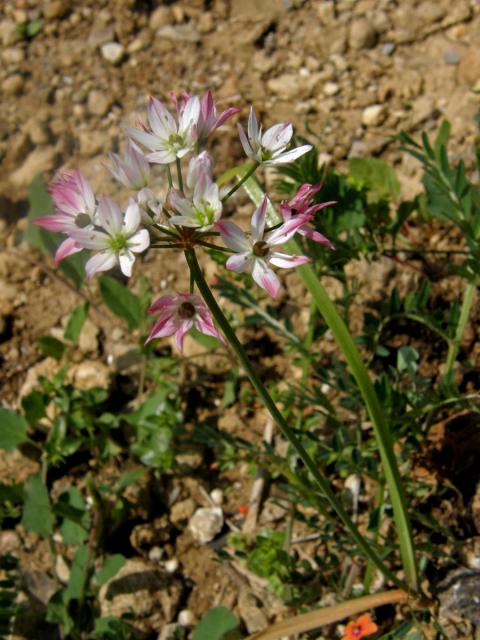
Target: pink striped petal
[233, 236]
[258, 221]
[286, 261]
[240, 262]
[265, 277]
[67, 248]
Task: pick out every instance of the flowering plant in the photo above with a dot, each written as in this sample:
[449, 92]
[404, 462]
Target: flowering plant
[191, 216]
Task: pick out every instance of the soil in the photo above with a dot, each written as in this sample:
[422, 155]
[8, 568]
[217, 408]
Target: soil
[349, 73]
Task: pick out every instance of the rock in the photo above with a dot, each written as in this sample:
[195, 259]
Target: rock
[361, 35]
[450, 56]
[469, 67]
[37, 131]
[62, 569]
[374, 115]
[9, 542]
[13, 85]
[181, 512]
[423, 108]
[161, 17]
[186, 618]
[143, 590]
[171, 565]
[47, 368]
[388, 48]
[192, 459]
[38, 161]
[56, 9]
[459, 596]
[179, 33]
[206, 22]
[90, 373]
[92, 143]
[39, 585]
[13, 55]
[112, 52]
[100, 36]
[9, 33]
[250, 612]
[98, 102]
[217, 497]
[88, 340]
[331, 88]
[206, 523]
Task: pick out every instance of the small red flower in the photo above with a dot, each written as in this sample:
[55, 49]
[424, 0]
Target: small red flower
[243, 509]
[359, 628]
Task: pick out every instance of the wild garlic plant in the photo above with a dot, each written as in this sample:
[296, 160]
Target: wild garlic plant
[192, 217]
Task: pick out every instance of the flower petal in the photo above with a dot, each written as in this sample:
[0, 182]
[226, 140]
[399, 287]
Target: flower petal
[290, 156]
[147, 139]
[277, 137]
[132, 218]
[126, 259]
[67, 248]
[258, 220]
[102, 261]
[139, 242]
[265, 277]
[286, 261]
[109, 216]
[239, 262]
[233, 236]
[160, 119]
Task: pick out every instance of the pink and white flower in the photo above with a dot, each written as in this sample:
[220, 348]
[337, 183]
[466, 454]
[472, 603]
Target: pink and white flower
[270, 147]
[75, 208]
[257, 252]
[118, 241]
[204, 208]
[133, 171]
[167, 138]
[178, 314]
[300, 205]
[208, 120]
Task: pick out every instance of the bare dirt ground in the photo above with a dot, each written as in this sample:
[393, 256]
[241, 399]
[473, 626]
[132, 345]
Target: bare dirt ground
[352, 73]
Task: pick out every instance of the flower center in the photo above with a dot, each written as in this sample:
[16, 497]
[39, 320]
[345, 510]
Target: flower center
[176, 141]
[82, 220]
[260, 249]
[205, 215]
[186, 311]
[118, 243]
[357, 631]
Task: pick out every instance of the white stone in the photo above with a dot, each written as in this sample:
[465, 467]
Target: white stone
[331, 88]
[113, 52]
[186, 618]
[171, 565]
[206, 523]
[373, 115]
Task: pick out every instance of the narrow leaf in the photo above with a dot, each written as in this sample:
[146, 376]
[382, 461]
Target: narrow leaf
[121, 301]
[76, 321]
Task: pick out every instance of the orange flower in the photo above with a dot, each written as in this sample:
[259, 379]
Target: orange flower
[359, 628]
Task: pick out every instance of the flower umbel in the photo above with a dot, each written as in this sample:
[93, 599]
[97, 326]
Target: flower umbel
[359, 628]
[178, 314]
[269, 147]
[256, 252]
[300, 205]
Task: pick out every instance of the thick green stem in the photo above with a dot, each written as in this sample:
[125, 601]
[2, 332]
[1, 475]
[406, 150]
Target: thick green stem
[380, 427]
[468, 299]
[242, 180]
[179, 174]
[250, 370]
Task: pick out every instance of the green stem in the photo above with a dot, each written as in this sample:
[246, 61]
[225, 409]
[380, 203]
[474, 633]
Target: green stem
[242, 180]
[380, 426]
[169, 176]
[179, 174]
[467, 303]
[250, 370]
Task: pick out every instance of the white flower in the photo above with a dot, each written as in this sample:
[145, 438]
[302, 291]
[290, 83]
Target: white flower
[118, 241]
[256, 252]
[270, 147]
[168, 139]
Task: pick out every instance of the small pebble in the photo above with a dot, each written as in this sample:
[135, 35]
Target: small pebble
[388, 48]
[451, 57]
[373, 115]
[217, 497]
[186, 618]
[113, 52]
[155, 554]
[171, 565]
